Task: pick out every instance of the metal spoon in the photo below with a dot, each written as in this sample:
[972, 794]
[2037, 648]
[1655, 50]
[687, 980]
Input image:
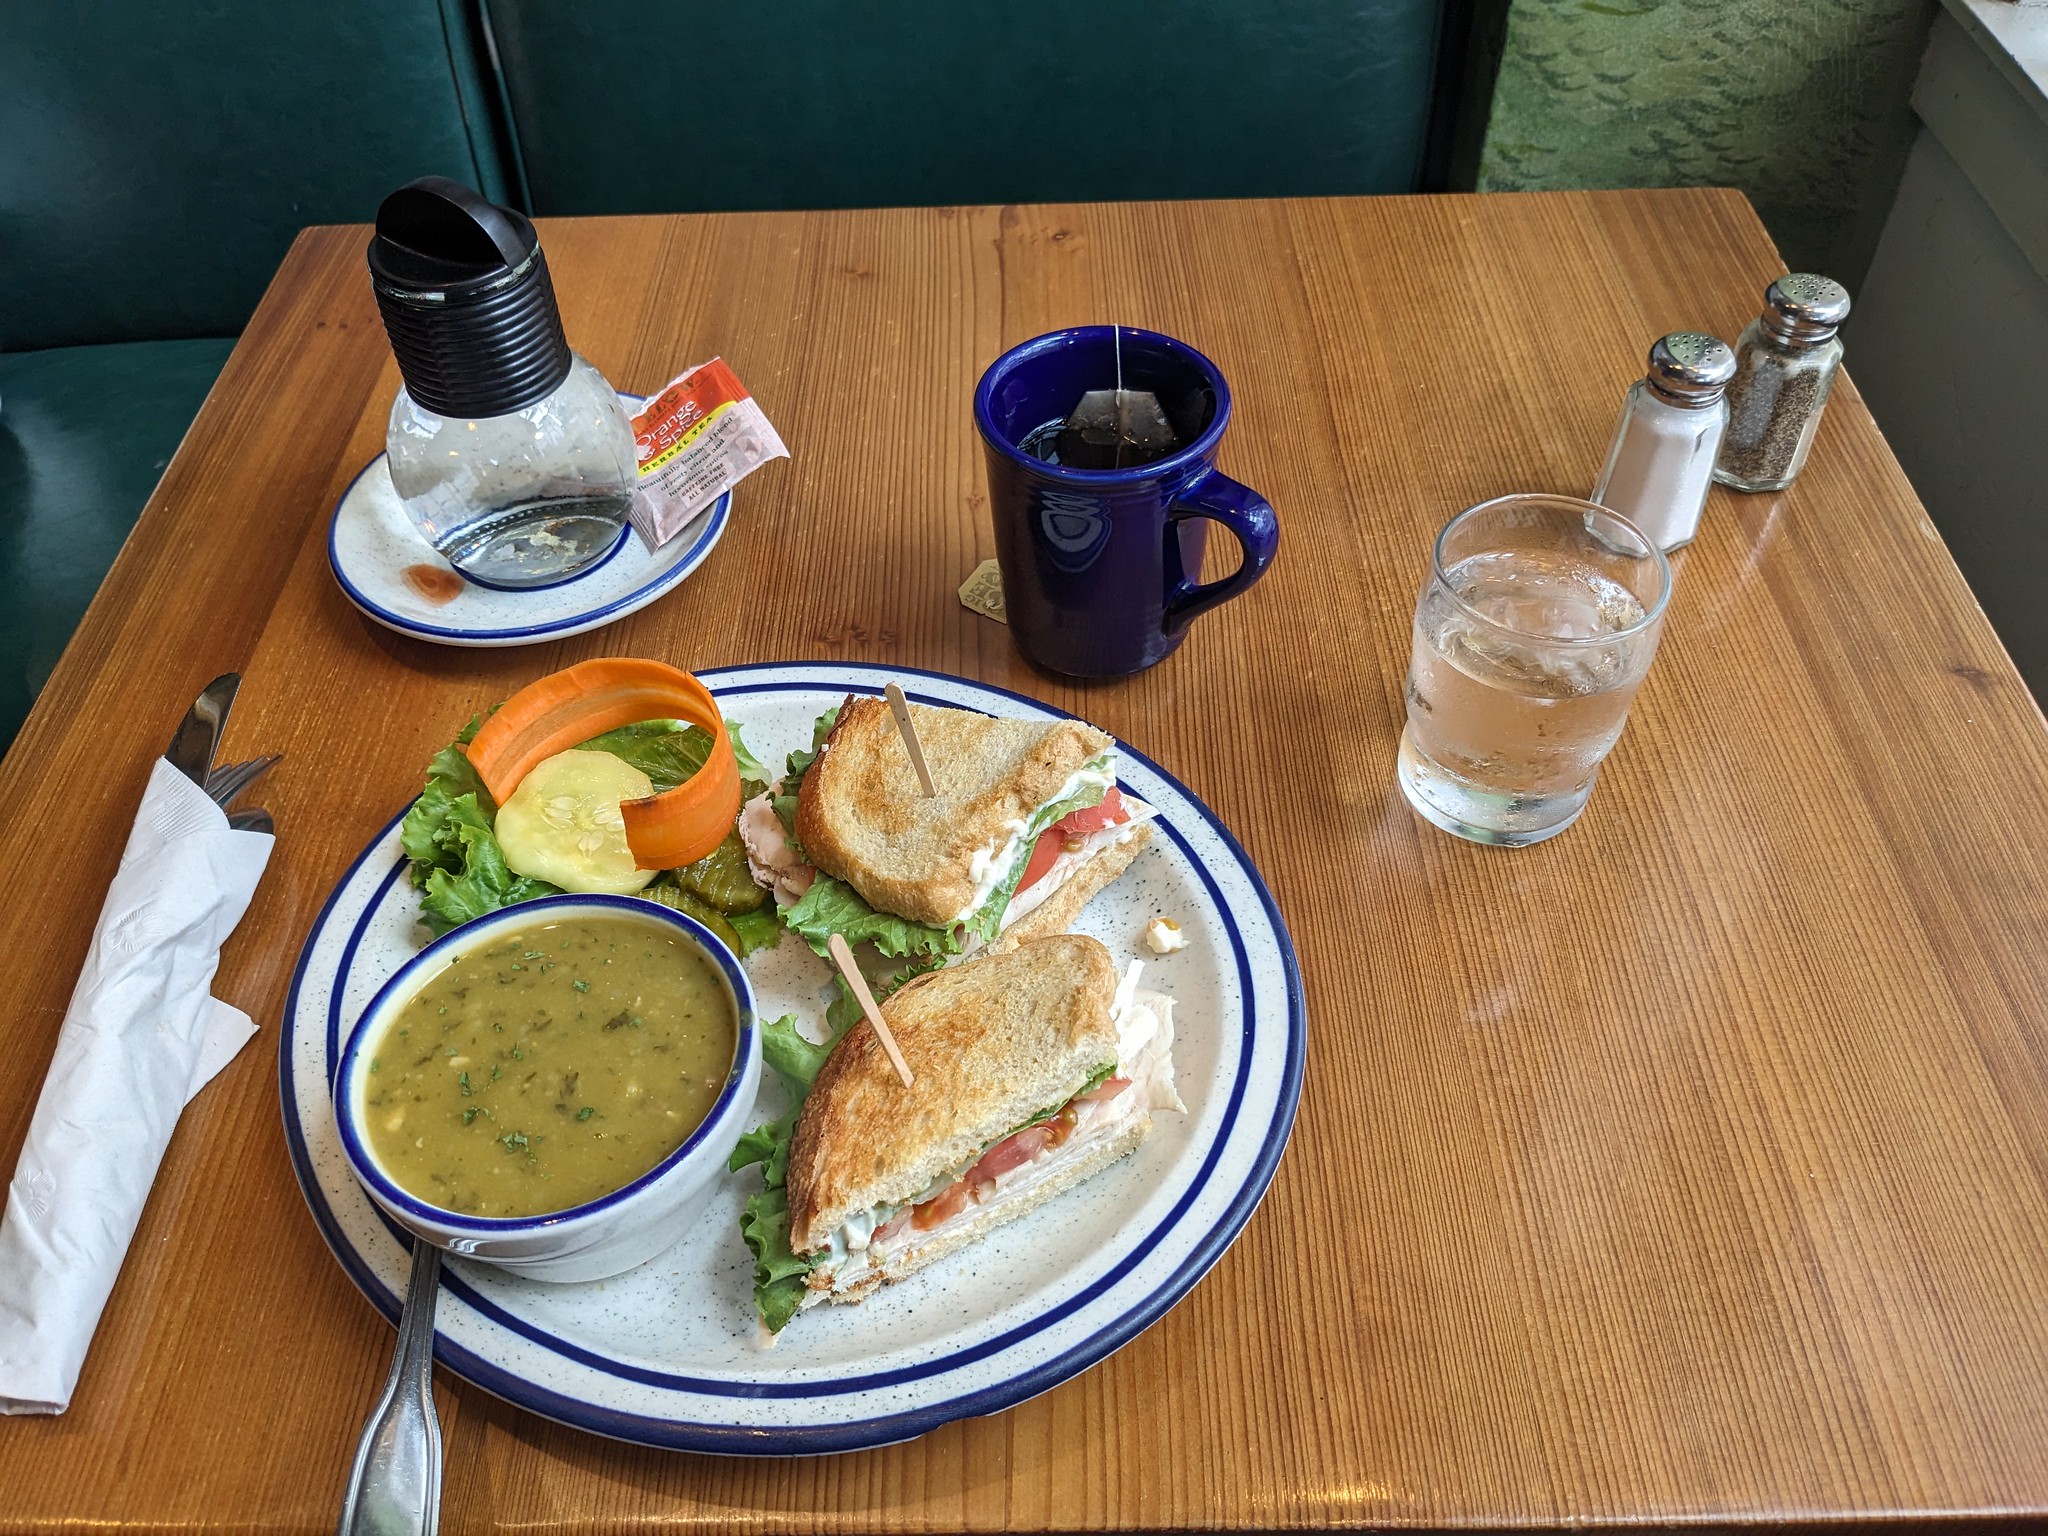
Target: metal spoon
[395, 1489]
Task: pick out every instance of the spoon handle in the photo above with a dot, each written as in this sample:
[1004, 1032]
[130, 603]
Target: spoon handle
[395, 1489]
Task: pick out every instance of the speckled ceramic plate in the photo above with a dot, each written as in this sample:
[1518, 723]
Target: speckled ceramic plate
[670, 1354]
[394, 576]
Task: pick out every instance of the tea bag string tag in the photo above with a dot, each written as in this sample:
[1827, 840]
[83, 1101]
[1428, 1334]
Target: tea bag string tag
[1116, 341]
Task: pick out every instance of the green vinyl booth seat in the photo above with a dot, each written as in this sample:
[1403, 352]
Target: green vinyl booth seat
[84, 434]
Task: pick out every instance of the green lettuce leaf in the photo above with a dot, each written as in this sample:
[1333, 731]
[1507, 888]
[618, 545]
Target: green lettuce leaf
[832, 906]
[795, 766]
[764, 1225]
[455, 856]
[477, 879]
[797, 1059]
[429, 841]
[844, 1011]
[753, 776]
[759, 1145]
[758, 929]
[670, 751]
[667, 751]
[779, 1274]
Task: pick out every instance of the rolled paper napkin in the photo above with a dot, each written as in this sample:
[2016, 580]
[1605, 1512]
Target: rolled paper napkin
[142, 1035]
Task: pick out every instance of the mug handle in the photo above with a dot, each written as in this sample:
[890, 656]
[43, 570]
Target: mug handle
[1249, 516]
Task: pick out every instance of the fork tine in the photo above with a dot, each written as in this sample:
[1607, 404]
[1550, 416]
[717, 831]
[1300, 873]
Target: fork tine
[225, 783]
[255, 768]
[221, 776]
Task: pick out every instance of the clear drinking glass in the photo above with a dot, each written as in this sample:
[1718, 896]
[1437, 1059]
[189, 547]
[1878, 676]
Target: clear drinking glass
[1537, 621]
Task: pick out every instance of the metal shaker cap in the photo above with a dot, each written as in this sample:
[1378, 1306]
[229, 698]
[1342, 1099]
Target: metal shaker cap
[1691, 369]
[1804, 309]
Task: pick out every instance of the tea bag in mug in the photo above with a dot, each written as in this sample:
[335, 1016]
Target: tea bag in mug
[1116, 428]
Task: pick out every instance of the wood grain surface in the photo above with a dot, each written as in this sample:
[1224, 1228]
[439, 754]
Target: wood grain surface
[1691, 1165]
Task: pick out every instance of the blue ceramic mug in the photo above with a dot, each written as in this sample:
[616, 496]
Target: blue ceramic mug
[1100, 565]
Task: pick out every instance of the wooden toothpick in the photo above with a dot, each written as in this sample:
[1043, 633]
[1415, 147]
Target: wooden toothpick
[900, 708]
[843, 958]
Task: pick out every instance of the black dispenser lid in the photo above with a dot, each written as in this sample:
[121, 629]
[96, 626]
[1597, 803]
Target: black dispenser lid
[467, 301]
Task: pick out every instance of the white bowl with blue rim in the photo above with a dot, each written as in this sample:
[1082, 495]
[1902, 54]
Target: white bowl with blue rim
[602, 1237]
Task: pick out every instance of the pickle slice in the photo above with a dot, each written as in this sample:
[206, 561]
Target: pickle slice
[695, 906]
[723, 879]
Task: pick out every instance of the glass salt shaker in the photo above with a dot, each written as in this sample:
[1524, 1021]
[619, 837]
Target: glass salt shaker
[1784, 365]
[511, 454]
[1662, 461]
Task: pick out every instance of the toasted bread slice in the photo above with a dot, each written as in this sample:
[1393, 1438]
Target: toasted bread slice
[863, 818]
[958, 1234]
[991, 1042]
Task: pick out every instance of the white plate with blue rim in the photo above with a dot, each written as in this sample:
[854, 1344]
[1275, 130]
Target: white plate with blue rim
[671, 1354]
[395, 577]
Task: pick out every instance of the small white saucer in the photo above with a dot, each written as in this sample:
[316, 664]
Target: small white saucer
[389, 572]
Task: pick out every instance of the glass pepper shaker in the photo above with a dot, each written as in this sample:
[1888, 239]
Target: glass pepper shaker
[1662, 461]
[1784, 366]
[511, 454]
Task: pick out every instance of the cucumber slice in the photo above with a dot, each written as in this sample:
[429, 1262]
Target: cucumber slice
[563, 825]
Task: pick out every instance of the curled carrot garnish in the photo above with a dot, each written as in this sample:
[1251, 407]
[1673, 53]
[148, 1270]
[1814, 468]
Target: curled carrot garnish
[564, 709]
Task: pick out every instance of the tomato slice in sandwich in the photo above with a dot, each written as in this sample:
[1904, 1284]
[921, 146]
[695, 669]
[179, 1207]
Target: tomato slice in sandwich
[1094, 818]
[1046, 851]
[1044, 854]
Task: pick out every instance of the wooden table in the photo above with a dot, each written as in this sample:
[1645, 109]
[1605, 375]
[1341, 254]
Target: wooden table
[1693, 1164]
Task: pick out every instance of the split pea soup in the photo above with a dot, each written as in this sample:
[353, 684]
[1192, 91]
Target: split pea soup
[549, 1067]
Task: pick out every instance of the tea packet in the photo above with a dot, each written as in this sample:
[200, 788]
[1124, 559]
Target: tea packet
[696, 439]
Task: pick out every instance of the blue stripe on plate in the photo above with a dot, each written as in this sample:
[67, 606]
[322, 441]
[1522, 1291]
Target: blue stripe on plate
[881, 1430]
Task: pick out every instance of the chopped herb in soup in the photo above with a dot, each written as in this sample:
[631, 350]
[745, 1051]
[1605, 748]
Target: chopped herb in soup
[550, 1067]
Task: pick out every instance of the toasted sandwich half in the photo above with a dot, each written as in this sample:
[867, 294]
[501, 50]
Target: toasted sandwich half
[1027, 825]
[1034, 1069]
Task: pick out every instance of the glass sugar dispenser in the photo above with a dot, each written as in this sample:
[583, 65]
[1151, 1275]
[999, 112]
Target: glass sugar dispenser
[1785, 364]
[1662, 462]
[512, 455]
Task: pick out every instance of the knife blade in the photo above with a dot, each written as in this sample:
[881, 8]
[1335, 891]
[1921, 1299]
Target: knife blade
[191, 750]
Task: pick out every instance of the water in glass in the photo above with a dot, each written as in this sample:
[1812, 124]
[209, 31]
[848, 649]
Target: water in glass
[1523, 667]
